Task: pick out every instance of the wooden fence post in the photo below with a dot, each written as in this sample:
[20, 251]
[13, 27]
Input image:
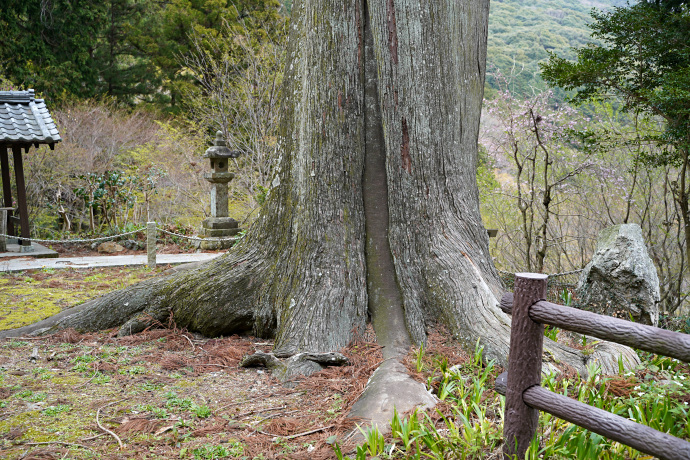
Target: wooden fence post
[524, 365]
[3, 229]
[151, 243]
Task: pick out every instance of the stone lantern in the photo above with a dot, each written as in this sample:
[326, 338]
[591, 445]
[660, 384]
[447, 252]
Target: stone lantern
[219, 225]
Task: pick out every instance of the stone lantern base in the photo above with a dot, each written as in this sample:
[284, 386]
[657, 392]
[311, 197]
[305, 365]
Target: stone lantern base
[218, 227]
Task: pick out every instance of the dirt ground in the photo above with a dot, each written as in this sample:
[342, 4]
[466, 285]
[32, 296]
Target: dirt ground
[85, 250]
[168, 394]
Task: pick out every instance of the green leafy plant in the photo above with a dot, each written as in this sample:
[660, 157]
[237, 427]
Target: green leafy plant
[28, 395]
[134, 370]
[375, 442]
[159, 412]
[42, 373]
[210, 452]
[81, 367]
[107, 196]
[100, 378]
[551, 332]
[201, 411]
[447, 388]
[55, 410]
[406, 429]
[419, 358]
[333, 442]
[566, 297]
[174, 401]
[150, 386]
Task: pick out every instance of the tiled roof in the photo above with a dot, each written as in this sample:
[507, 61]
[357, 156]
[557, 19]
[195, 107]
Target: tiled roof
[25, 120]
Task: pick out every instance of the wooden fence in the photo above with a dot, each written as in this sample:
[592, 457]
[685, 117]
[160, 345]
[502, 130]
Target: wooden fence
[524, 395]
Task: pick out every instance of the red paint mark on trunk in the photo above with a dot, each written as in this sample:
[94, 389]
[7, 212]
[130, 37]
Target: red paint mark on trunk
[392, 32]
[405, 148]
[360, 34]
[471, 261]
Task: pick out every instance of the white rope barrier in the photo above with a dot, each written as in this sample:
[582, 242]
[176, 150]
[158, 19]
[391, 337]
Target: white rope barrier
[83, 240]
[151, 231]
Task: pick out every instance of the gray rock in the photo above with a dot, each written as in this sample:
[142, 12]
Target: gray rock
[131, 244]
[621, 280]
[214, 244]
[219, 223]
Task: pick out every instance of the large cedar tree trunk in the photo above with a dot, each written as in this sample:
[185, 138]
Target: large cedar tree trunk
[395, 85]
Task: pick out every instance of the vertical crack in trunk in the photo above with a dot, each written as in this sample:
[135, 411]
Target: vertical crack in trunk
[385, 299]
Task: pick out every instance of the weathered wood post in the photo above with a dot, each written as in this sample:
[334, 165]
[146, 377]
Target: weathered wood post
[151, 243]
[3, 228]
[524, 365]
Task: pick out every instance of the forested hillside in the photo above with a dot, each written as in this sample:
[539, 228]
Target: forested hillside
[562, 171]
[522, 33]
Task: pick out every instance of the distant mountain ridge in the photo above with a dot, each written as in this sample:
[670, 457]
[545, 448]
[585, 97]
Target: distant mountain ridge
[522, 32]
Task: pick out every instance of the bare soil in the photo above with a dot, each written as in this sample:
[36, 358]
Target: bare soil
[165, 393]
[85, 250]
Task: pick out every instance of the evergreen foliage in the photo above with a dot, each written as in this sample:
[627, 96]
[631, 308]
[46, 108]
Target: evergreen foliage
[131, 49]
[644, 61]
[126, 49]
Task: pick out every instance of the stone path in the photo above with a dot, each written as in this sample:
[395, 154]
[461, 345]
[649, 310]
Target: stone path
[28, 263]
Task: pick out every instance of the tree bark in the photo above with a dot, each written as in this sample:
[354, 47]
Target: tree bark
[408, 139]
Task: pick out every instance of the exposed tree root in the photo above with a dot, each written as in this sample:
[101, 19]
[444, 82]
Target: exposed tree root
[301, 364]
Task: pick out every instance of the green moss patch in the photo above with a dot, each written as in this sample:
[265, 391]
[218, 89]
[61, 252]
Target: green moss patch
[32, 296]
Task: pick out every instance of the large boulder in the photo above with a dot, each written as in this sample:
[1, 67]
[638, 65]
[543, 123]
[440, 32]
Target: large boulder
[621, 280]
[109, 247]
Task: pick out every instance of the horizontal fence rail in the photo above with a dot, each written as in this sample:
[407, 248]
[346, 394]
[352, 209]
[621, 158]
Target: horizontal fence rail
[521, 384]
[602, 422]
[647, 338]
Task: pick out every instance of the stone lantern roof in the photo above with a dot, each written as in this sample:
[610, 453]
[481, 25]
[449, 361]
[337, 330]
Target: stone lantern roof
[220, 149]
[219, 154]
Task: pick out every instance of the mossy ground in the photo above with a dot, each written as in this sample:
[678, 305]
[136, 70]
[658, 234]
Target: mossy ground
[27, 297]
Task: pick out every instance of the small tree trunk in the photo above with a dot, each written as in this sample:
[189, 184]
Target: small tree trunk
[682, 198]
[92, 221]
